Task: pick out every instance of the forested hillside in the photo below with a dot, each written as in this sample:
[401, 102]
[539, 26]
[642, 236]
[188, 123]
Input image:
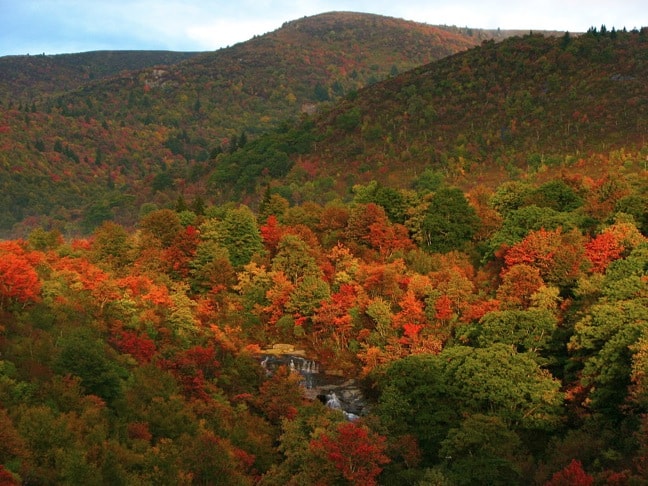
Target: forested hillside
[500, 336]
[527, 104]
[27, 80]
[109, 144]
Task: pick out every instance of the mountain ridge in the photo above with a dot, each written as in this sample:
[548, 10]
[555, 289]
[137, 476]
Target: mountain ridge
[159, 127]
[150, 136]
[27, 78]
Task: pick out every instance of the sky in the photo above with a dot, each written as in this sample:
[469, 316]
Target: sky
[70, 26]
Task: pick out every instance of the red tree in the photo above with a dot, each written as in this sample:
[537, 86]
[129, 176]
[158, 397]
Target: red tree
[557, 255]
[6, 478]
[18, 279]
[571, 475]
[354, 451]
[271, 232]
[141, 348]
[602, 250]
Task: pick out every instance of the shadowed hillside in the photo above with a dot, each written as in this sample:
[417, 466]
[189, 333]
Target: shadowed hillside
[502, 109]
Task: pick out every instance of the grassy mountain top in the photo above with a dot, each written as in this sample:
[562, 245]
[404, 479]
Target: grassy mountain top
[27, 78]
[255, 84]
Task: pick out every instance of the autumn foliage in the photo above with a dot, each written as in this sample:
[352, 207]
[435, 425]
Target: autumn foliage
[571, 475]
[19, 280]
[482, 331]
[358, 454]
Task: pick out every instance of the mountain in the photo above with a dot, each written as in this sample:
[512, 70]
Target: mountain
[108, 145]
[373, 313]
[500, 110]
[27, 79]
[256, 84]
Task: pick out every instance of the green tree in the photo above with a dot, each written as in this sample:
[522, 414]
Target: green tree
[427, 395]
[42, 240]
[84, 355]
[308, 295]
[239, 233]
[556, 195]
[527, 330]
[429, 181]
[447, 223]
[519, 222]
[111, 246]
[163, 225]
[483, 450]
[607, 338]
[294, 258]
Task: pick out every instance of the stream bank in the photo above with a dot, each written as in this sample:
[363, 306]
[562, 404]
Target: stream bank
[337, 392]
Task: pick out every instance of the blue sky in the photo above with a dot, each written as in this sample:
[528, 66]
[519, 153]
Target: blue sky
[63, 26]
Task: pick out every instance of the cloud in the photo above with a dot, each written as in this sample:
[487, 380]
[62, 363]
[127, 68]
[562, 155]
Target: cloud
[54, 26]
[221, 33]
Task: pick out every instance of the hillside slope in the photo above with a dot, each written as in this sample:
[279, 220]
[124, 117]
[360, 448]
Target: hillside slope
[519, 105]
[27, 79]
[256, 84]
[105, 148]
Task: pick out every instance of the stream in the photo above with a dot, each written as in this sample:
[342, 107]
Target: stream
[335, 392]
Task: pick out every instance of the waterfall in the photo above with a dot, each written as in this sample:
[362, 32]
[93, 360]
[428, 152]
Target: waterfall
[333, 402]
[337, 393]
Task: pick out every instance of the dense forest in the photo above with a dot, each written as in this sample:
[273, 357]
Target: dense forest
[88, 137]
[500, 337]
[466, 242]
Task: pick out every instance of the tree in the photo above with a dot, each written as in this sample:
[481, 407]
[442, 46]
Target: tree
[605, 341]
[500, 381]
[294, 258]
[42, 240]
[427, 395]
[163, 225]
[111, 245]
[572, 475]
[391, 200]
[355, 451]
[299, 464]
[361, 218]
[179, 254]
[611, 244]
[557, 195]
[6, 478]
[558, 256]
[210, 459]
[239, 234]
[19, 281]
[483, 450]
[307, 296]
[447, 223]
[602, 250]
[333, 317]
[211, 268]
[519, 284]
[280, 396]
[519, 222]
[12, 447]
[527, 330]
[389, 238]
[411, 312]
[84, 355]
[271, 232]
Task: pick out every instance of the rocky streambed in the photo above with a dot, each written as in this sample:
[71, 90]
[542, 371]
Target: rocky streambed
[338, 392]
